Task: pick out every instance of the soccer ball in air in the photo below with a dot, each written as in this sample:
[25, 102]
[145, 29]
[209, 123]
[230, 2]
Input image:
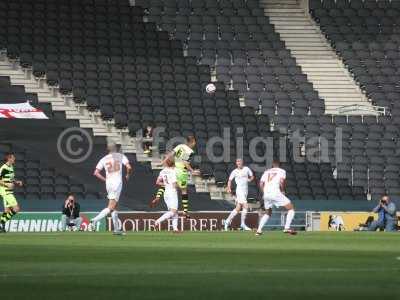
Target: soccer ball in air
[210, 88]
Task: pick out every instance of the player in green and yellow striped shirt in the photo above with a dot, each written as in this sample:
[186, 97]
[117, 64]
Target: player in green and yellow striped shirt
[7, 184]
[182, 154]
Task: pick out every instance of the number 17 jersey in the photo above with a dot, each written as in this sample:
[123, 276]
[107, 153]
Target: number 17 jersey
[272, 179]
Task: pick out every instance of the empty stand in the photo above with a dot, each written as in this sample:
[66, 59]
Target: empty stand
[316, 57]
[133, 74]
[239, 42]
[365, 34]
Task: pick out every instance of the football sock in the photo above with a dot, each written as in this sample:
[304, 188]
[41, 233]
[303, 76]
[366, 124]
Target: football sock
[160, 192]
[185, 203]
[243, 217]
[175, 222]
[114, 216]
[231, 216]
[164, 217]
[101, 215]
[7, 216]
[289, 218]
[263, 221]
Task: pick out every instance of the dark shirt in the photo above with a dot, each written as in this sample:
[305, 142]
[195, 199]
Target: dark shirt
[72, 212]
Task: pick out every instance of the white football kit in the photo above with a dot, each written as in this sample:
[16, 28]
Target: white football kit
[112, 163]
[168, 176]
[241, 177]
[273, 195]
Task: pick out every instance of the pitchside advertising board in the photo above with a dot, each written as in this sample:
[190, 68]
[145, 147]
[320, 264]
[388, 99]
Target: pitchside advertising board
[199, 221]
[130, 221]
[45, 222]
[136, 221]
[348, 221]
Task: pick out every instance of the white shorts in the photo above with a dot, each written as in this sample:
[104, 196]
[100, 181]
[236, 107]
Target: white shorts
[241, 196]
[171, 200]
[276, 200]
[113, 190]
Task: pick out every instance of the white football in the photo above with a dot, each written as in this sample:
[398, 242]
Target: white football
[210, 88]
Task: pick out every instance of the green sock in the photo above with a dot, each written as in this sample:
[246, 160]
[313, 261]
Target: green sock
[7, 216]
[160, 192]
[185, 203]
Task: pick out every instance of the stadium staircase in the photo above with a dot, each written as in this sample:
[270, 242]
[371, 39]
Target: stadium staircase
[93, 120]
[324, 69]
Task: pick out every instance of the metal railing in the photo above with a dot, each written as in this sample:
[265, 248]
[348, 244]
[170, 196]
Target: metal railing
[378, 110]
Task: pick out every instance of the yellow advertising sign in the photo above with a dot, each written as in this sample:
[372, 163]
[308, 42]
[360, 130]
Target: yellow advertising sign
[345, 221]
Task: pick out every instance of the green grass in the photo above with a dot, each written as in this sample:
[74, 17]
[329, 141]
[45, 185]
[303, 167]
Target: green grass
[232, 265]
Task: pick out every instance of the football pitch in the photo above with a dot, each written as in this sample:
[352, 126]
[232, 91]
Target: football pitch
[200, 265]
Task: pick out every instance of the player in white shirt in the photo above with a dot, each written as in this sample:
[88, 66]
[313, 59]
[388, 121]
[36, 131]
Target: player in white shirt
[113, 164]
[242, 176]
[272, 185]
[167, 179]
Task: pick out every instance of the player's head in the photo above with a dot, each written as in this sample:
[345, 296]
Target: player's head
[9, 158]
[191, 141]
[169, 163]
[239, 163]
[276, 163]
[112, 147]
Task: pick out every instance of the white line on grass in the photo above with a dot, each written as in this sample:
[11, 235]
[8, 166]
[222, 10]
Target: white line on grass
[205, 272]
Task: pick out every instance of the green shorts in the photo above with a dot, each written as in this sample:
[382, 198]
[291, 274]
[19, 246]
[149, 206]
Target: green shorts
[8, 198]
[182, 178]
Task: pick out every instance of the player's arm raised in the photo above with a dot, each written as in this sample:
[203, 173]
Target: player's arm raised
[190, 169]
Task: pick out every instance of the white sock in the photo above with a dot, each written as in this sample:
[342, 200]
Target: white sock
[264, 219]
[114, 216]
[289, 218]
[231, 216]
[175, 222]
[101, 215]
[164, 217]
[243, 217]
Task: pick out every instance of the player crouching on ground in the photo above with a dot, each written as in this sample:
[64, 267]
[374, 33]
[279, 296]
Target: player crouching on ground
[272, 185]
[242, 176]
[7, 184]
[112, 163]
[167, 179]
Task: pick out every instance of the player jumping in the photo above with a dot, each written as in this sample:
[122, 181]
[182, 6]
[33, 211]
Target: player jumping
[167, 179]
[272, 184]
[242, 176]
[7, 184]
[182, 155]
[112, 163]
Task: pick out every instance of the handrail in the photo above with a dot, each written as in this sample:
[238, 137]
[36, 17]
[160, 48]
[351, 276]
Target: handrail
[380, 110]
